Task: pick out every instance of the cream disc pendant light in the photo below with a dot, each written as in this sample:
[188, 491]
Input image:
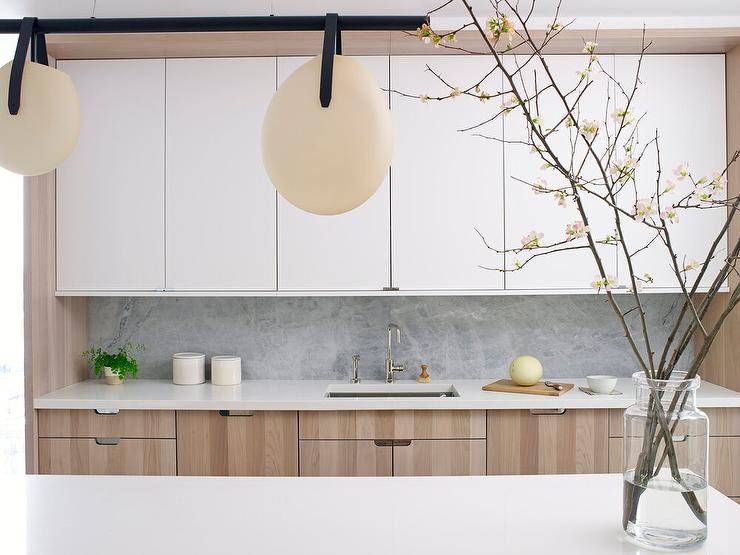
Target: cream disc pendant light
[328, 160]
[44, 131]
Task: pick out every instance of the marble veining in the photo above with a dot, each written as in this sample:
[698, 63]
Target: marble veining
[315, 337]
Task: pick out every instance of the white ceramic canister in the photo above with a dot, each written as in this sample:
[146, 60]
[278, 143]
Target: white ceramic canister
[188, 368]
[226, 370]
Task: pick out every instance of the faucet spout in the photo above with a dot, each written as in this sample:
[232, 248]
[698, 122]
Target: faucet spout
[390, 367]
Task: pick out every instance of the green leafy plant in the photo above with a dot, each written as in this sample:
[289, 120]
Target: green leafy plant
[122, 362]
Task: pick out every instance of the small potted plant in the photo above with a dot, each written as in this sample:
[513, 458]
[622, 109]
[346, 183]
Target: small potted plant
[116, 367]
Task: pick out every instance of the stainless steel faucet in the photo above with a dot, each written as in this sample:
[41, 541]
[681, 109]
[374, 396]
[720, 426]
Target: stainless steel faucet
[355, 369]
[390, 367]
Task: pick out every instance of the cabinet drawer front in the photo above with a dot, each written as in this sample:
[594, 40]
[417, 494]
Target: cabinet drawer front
[724, 462]
[147, 457]
[345, 458]
[88, 423]
[446, 457]
[575, 442]
[399, 424]
[263, 443]
[723, 421]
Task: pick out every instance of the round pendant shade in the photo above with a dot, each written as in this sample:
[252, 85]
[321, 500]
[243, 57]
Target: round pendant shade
[45, 130]
[328, 160]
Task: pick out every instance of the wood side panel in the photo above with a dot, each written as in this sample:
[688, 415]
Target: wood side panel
[265, 444]
[721, 364]
[147, 457]
[724, 462]
[88, 423]
[344, 458]
[55, 328]
[183, 45]
[446, 457]
[522, 443]
[722, 421]
[401, 424]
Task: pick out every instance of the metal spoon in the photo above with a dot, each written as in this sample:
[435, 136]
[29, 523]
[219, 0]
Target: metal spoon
[555, 386]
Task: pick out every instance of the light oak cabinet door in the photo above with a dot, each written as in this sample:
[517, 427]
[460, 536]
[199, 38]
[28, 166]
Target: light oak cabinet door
[445, 184]
[92, 424]
[345, 458]
[663, 98]
[724, 462]
[346, 252]
[148, 457]
[218, 443]
[575, 442]
[397, 424]
[446, 457]
[220, 202]
[110, 191]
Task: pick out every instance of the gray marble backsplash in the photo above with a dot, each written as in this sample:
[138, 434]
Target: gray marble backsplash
[314, 338]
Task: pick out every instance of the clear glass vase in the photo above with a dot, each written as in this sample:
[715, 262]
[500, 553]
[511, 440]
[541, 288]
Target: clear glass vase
[665, 483]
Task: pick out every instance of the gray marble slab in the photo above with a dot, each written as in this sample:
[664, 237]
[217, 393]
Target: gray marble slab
[315, 337]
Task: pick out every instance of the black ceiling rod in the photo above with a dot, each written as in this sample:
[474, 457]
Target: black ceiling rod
[327, 59]
[215, 24]
[19, 61]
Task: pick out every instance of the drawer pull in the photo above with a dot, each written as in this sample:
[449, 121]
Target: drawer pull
[106, 411]
[236, 412]
[392, 442]
[107, 440]
[543, 412]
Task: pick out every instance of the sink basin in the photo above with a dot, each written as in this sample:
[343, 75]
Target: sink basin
[376, 390]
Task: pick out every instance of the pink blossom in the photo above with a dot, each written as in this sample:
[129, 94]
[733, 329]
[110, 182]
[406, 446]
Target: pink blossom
[669, 187]
[718, 182]
[681, 171]
[644, 208]
[669, 214]
[531, 240]
[561, 197]
[576, 230]
[607, 283]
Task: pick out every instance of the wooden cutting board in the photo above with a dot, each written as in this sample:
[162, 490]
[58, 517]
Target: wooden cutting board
[508, 386]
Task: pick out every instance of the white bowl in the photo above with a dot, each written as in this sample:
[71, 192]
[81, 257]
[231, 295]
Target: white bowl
[602, 383]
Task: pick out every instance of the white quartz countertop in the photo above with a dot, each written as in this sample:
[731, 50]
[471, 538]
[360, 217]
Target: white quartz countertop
[521, 515]
[311, 395]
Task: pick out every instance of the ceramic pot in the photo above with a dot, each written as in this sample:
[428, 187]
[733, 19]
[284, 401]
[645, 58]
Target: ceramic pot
[110, 377]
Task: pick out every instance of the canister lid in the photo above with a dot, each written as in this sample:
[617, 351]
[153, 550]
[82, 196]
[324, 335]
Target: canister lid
[225, 357]
[189, 355]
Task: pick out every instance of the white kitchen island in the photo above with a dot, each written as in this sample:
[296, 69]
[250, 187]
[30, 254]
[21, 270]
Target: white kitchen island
[511, 515]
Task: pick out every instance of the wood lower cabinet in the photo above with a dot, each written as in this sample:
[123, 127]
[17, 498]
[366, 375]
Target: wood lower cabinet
[222, 443]
[345, 458]
[440, 457]
[148, 457]
[522, 442]
[393, 424]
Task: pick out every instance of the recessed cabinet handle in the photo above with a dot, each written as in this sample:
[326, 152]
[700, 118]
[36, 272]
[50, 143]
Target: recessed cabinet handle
[107, 440]
[543, 412]
[680, 439]
[392, 442]
[236, 412]
[106, 411]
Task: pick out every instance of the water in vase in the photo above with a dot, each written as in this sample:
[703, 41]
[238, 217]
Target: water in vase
[668, 513]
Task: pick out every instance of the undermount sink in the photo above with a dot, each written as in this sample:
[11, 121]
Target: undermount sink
[375, 390]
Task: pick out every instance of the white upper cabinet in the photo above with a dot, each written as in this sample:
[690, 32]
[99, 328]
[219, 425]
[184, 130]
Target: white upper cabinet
[526, 211]
[683, 97]
[349, 251]
[110, 191]
[445, 184]
[220, 202]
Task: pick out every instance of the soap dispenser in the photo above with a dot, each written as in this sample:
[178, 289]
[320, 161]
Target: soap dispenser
[424, 376]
